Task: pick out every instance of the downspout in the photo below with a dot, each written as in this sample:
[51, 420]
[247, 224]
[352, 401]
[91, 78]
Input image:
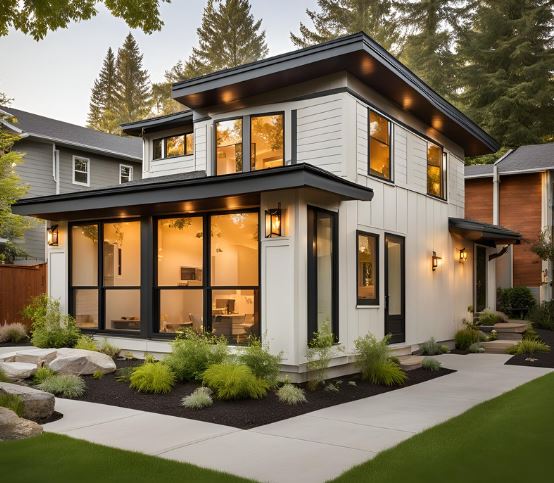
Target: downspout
[496, 189]
[56, 167]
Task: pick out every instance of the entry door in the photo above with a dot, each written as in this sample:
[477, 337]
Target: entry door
[395, 273]
[480, 278]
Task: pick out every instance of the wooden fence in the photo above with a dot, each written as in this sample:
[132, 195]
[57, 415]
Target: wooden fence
[18, 284]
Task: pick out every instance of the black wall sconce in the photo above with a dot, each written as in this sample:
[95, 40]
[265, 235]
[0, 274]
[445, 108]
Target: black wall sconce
[273, 222]
[463, 255]
[435, 260]
[53, 236]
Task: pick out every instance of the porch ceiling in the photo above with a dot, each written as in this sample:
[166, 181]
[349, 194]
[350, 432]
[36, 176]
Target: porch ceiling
[187, 192]
[484, 233]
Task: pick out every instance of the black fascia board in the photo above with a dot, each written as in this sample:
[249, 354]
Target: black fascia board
[137, 128]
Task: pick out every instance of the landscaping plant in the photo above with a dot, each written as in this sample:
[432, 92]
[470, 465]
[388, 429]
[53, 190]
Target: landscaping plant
[488, 317]
[192, 353]
[109, 349]
[374, 361]
[15, 333]
[467, 336]
[320, 350]
[430, 364]
[13, 402]
[152, 377]
[234, 381]
[476, 348]
[516, 301]
[41, 374]
[290, 394]
[263, 364]
[64, 385]
[432, 348]
[86, 342]
[3, 376]
[50, 327]
[98, 374]
[543, 315]
[123, 374]
[200, 398]
[529, 346]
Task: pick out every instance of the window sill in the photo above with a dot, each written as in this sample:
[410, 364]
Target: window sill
[81, 184]
[173, 158]
[378, 306]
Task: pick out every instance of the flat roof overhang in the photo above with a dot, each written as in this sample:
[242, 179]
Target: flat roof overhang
[187, 192]
[357, 54]
[138, 128]
[484, 233]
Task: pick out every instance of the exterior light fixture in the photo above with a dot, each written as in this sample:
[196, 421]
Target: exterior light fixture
[273, 222]
[463, 255]
[435, 260]
[53, 236]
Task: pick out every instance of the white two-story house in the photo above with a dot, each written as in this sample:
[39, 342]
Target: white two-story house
[319, 187]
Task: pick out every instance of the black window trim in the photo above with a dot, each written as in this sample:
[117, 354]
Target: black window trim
[391, 146]
[444, 172]
[164, 139]
[374, 301]
[214, 144]
[264, 114]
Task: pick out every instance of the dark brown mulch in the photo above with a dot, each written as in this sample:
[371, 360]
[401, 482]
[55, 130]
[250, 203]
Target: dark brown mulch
[55, 416]
[14, 344]
[242, 414]
[539, 359]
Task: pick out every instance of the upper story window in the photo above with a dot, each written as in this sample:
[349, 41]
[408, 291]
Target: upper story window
[173, 146]
[81, 171]
[266, 138]
[436, 170]
[380, 134]
[228, 146]
[125, 173]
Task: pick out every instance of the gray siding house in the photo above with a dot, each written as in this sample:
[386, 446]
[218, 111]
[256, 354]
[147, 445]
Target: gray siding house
[60, 157]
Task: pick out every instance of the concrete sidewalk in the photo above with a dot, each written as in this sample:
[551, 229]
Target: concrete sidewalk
[313, 447]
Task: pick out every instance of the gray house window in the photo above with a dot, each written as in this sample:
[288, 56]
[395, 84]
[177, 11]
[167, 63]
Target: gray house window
[81, 171]
[125, 173]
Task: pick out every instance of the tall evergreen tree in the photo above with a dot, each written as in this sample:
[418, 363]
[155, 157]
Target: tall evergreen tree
[507, 60]
[133, 90]
[103, 100]
[341, 17]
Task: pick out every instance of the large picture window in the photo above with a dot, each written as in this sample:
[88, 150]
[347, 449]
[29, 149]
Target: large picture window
[228, 146]
[367, 269]
[436, 171]
[380, 157]
[267, 148]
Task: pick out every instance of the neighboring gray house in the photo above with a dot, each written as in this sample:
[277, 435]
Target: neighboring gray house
[60, 157]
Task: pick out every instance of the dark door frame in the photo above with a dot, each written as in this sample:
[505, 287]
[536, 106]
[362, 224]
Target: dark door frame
[476, 247]
[399, 337]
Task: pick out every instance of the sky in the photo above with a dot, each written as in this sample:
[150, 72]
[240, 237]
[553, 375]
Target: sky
[53, 77]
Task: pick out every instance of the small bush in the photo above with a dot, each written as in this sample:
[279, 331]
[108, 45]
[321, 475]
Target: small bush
[109, 349]
[150, 358]
[50, 327]
[476, 348]
[530, 333]
[3, 376]
[465, 337]
[516, 301]
[430, 364]
[543, 315]
[199, 399]
[263, 364]
[123, 374]
[98, 374]
[41, 374]
[192, 353]
[127, 355]
[152, 377]
[13, 402]
[291, 394]
[432, 348]
[14, 333]
[320, 350]
[86, 342]
[529, 346]
[64, 385]
[488, 317]
[234, 381]
[374, 361]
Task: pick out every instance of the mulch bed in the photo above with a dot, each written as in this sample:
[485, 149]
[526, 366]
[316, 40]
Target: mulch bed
[55, 416]
[13, 344]
[539, 359]
[242, 414]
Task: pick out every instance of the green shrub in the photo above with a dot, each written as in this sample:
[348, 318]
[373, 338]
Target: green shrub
[516, 301]
[432, 348]
[150, 358]
[192, 353]
[543, 315]
[531, 333]
[3, 376]
[41, 374]
[291, 394]
[476, 348]
[263, 364]
[98, 374]
[529, 346]
[430, 364]
[374, 361]
[465, 337]
[86, 342]
[13, 402]
[488, 317]
[14, 333]
[234, 381]
[153, 377]
[109, 349]
[123, 374]
[50, 327]
[199, 399]
[320, 350]
[64, 385]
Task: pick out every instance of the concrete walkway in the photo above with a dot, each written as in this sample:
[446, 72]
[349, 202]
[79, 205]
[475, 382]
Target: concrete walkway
[313, 447]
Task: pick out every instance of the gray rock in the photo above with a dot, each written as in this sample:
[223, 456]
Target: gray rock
[81, 362]
[18, 370]
[37, 404]
[14, 427]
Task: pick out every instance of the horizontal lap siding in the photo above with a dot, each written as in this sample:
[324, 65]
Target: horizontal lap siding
[479, 199]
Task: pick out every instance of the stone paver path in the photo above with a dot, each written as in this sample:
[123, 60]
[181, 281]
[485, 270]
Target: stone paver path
[313, 447]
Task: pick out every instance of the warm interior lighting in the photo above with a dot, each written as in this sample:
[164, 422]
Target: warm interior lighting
[435, 260]
[273, 222]
[53, 236]
[463, 255]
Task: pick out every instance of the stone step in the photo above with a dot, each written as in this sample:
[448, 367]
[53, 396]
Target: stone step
[498, 346]
[508, 336]
[410, 363]
[517, 327]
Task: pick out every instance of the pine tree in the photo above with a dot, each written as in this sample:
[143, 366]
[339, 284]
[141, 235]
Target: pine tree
[507, 59]
[133, 91]
[341, 17]
[161, 91]
[102, 107]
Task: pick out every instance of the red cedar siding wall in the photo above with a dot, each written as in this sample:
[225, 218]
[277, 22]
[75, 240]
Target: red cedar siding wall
[520, 210]
[478, 199]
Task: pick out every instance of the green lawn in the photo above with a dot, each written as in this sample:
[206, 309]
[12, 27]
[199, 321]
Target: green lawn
[52, 458]
[508, 439]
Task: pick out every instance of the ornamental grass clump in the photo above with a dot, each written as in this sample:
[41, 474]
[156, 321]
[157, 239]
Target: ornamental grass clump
[64, 385]
[3, 376]
[261, 362]
[488, 317]
[14, 333]
[13, 402]
[319, 353]
[430, 364]
[109, 349]
[152, 377]
[86, 342]
[290, 394]
[476, 348]
[199, 399]
[374, 361]
[467, 336]
[529, 346]
[432, 348]
[234, 381]
[192, 353]
[41, 374]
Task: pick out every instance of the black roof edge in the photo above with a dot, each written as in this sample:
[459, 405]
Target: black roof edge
[136, 128]
[486, 231]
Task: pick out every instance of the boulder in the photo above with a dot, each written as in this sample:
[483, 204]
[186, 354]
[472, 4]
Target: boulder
[18, 370]
[14, 427]
[81, 362]
[33, 356]
[36, 404]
